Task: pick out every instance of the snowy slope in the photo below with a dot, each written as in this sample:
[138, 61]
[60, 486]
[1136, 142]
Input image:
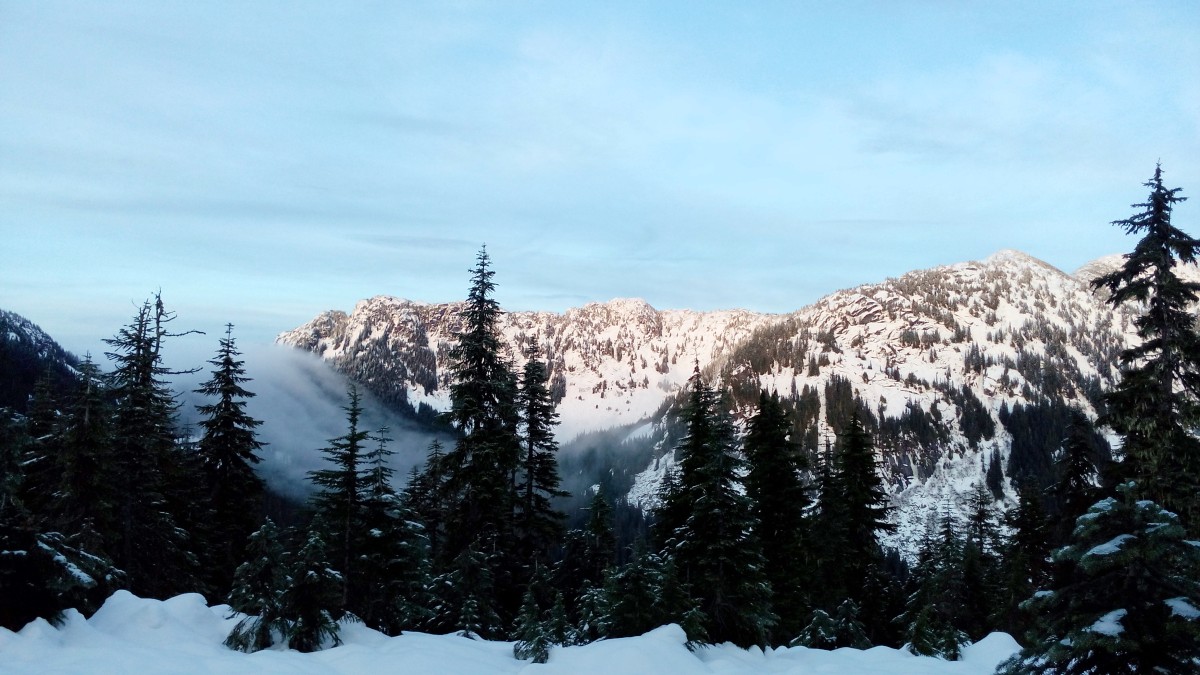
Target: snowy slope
[611, 363]
[184, 635]
[1005, 331]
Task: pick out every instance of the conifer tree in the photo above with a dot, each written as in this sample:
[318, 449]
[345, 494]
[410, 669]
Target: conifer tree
[426, 496]
[390, 589]
[538, 524]
[820, 633]
[1077, 476]
[1026, 566]
[854, 510]
[465, 601]
[1132, 604]
[42, 572]
[258, 588]
[312, 602]
[533, 639]
[980, 566]
[339, 497]
[934, 611]
[85, 498]
[480, 472]
[1155, 405]
[647, 593]
[779, 498]
[227, 452]
[715, 549]
[150, 543]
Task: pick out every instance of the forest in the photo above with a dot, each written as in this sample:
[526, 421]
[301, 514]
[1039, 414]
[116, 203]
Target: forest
[754, 542]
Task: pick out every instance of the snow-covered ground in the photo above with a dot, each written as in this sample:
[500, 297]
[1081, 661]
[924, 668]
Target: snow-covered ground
[184, 635]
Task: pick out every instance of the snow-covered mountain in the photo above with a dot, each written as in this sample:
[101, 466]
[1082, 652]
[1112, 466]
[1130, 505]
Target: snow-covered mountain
[611, 363]
[26, 354]
[938, 358]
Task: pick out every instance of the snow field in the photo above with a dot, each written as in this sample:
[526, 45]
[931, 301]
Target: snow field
[184, 635]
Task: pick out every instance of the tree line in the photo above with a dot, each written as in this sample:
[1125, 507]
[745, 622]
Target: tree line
[1095, 570]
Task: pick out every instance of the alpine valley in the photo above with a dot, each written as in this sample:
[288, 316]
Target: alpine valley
[964, 373]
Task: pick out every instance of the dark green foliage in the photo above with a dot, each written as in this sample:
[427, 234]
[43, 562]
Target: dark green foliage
[1025, 562]
[1076, 476]
[715, 549]
[313, 600]
[934, 612]
[479, 485]
[820, 633]
[465, 597]
[390, 589]
[645, 594]
[980, 565]
[338, 499]
[853, 510]
[533, 640]
[1132, 603]
[258, 591]
[1155, 406]
[538, 525]
[41, 573]
[779, 498]
[227, 452]
[153, 476]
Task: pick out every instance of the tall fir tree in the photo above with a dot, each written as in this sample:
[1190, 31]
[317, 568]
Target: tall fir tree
[228, 451]
[1155, 405]
[775, 485]
[715, 549]
[480, 471]
[1026, 561]
[150, 542]
[538, 524]
[338, 499]
[854, 511]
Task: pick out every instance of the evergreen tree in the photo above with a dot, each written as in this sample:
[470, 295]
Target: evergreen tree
[715, 549]
[150, 542]
[339, 497]
[775, 486]
[1155, 405]
[1132, 604]
[259, 585]
[480, 472]
[934, 612]
[848, 630]
[647, 593]
[820, 633]
[228, 450]
[85, 499]
[390, 589]
[426, 497]
[465, 597]
[538, 524]
[854, 510]
[1077, 476]
[533, 640]
[1026, 565]
[312, 602]
[41, 573]
[980, 566]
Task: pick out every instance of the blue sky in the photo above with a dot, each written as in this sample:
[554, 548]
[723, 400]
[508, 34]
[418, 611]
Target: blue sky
[263, 161]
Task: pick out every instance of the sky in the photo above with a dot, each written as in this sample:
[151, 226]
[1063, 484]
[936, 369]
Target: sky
[261, 162]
